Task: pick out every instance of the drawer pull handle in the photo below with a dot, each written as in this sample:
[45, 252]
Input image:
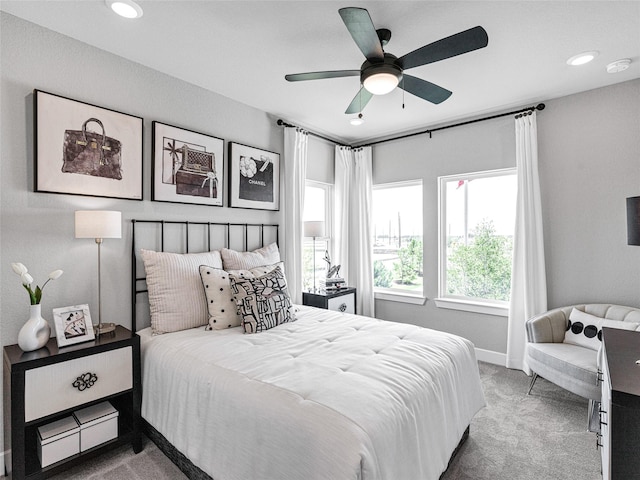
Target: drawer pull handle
[84, 381]
[343, 307]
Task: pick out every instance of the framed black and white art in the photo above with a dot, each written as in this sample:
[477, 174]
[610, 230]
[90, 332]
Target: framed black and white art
[254, 178]
[188, 167]
[73, 325]
[83, 149]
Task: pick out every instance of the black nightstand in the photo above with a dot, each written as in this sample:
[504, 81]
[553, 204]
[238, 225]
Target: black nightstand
[39, 390]
[343, 300]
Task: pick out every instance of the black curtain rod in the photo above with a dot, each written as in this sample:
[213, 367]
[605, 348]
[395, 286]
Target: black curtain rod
[523, 111]
[282, 123]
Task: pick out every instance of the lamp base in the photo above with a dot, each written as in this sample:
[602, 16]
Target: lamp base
[101, 328]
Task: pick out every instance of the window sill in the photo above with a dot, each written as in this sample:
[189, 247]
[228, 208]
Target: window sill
[476, 307]
[400, 297]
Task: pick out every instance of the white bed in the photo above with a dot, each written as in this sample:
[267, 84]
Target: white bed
[329, 396]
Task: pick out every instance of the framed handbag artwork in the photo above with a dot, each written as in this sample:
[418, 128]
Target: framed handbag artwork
[83, 149]
[188, 167]
[254, 178]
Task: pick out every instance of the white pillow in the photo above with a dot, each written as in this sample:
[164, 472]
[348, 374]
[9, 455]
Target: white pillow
[223, 312]
[176, 299]
[234, 260]
[585, 330]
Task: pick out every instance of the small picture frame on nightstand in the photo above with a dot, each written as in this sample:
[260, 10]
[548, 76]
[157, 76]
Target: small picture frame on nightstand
[73, 325]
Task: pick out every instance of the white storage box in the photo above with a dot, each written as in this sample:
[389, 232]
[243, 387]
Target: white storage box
[98, 424]
[58, 440]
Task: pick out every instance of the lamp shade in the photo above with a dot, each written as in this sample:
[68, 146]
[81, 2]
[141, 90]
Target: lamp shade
[314, 229]
[98, 224]
[633, 221]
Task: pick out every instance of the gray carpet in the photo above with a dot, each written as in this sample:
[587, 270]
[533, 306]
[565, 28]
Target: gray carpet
[516, 437]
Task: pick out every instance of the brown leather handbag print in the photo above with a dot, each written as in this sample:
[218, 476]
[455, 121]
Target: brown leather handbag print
[91, 153]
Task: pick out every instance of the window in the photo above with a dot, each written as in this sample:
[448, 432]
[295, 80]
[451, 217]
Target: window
[397, 239]
[318, 205]
[477, 219]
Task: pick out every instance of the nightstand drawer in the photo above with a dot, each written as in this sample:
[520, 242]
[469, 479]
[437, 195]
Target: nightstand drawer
[51, 389]
[344, 303]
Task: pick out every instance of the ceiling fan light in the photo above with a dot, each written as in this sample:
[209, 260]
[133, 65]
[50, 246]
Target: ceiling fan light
[357, 121]
[381, 83]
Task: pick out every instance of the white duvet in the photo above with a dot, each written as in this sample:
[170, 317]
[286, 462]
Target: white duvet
[331, 396]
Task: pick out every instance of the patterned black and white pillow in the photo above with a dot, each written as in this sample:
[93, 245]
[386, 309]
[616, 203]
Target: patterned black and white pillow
[585, 330]
[221, 306]
[263, 302]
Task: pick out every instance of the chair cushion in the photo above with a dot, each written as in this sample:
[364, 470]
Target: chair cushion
[570, 366]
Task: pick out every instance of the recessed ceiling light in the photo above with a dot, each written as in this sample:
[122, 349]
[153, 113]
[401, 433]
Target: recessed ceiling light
[618, 65]
[125, 8]
[582, 58]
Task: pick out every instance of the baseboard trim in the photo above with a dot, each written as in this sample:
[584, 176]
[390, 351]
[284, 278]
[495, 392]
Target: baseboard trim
[490, 356]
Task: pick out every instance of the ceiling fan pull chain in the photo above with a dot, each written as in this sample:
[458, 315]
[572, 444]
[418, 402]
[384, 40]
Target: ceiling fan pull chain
[403, 93]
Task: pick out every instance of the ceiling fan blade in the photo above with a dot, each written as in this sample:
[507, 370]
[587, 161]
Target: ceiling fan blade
[448, 47]
[298, 77]
[359, 101]
[361, 28]
[426, 90]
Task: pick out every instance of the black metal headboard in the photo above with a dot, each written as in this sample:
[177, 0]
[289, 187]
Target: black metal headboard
[190, 237]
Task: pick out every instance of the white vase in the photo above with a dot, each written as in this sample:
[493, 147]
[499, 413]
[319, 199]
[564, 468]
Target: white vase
[36, 332]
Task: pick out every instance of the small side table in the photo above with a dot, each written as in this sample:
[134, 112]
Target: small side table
[342, 300]
[39, 389]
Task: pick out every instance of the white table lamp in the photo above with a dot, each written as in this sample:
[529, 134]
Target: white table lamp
[99, 224]
[314, 229]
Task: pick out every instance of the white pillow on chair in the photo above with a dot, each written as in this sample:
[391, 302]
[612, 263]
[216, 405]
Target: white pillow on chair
[585, 329]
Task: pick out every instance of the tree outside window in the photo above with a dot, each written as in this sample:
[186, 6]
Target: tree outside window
[397, 238]
[477, 220]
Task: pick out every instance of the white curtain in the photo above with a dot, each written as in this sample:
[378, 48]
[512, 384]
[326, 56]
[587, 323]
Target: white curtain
[295, 171]
[362, 250]
[528, 277]
[353, 246]
[342, 207]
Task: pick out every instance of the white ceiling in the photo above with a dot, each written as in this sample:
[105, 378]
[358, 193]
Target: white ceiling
[243, 49]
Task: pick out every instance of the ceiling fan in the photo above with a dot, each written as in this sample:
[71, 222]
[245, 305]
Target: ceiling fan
[382, 72]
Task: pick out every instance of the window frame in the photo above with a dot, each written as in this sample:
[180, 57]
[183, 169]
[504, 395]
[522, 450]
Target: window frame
[400, 295]
[307, 242]
[454, 302]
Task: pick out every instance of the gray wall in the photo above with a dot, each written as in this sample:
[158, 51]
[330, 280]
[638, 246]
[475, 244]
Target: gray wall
[589, 147]
[589, 155]
[37, 229]
[320, 160]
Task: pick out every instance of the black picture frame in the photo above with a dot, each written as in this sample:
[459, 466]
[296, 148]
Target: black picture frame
[85, 149]
[188, 166]
[254, 178]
